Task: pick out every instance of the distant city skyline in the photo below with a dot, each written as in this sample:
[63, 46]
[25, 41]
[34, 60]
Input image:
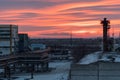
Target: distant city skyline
[57, 18]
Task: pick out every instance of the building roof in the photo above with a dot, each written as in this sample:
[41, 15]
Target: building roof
[100, 56]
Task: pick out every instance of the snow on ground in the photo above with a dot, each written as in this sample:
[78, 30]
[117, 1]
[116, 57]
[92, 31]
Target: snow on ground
[100, 56]
[90, 58]
[60, 72]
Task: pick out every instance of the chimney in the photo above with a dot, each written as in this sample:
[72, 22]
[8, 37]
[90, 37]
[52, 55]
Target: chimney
[106, 27]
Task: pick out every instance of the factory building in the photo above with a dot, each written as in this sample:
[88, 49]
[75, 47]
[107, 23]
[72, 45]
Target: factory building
[92, 67]
[24, 44]
[8, 39]
[38, 46]
[101, 65]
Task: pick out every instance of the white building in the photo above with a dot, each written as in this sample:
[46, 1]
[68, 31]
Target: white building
[8, 39]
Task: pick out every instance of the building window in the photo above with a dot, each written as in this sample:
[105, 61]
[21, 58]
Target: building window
[0, 52]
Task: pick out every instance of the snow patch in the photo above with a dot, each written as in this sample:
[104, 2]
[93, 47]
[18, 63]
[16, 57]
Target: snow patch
[90, 58]
[100, 56]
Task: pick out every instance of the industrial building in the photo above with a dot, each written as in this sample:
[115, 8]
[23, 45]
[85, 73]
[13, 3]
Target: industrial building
[92, 67]
[38, 46]
[24, 44]
[101, 65]
[32, 61]
[8, 39]
[60, 54]
[16, 55]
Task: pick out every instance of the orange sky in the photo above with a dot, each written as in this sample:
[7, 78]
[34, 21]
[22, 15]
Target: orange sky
[57, 18]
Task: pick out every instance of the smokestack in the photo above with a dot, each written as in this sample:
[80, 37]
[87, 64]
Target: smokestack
[106, 27]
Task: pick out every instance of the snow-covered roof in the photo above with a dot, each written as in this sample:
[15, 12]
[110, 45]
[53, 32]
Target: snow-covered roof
[100, 56]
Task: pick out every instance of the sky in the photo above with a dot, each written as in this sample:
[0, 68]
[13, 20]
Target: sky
[60, 18]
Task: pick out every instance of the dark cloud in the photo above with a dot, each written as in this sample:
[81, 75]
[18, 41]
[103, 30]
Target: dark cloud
[74, 13]
[69, 1]
[100, 16]
[35, 4]
[57, 34]
[28, 15]
[36, 28]
[81, 20]
[12, 4]
[95, 8]
[112, 14]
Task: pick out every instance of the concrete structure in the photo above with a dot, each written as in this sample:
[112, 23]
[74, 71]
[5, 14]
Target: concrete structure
[97, 66]
[24, 44]
[8, 39]
[60, 54]
[101, 65]
[96, 71]
[38, 46]
[31, 61]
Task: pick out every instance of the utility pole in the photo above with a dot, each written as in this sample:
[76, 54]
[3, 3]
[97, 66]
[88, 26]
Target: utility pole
[32, 71]
[98, 73]
[10, 39]
[113, 37]
[71, 43]
[71, 39]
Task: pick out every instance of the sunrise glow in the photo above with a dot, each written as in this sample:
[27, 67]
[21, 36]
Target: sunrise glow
[57, 18]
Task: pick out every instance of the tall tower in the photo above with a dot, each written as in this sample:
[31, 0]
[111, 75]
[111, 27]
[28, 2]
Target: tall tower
[106, 27]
